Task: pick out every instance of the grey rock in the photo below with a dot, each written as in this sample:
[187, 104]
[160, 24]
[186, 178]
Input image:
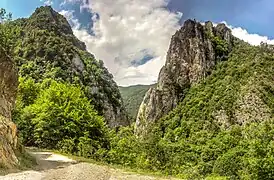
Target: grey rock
[191, 57]
[78, 63]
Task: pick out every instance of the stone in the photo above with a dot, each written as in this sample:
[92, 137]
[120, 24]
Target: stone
[78, 63]
[191, 57]
[8, 130]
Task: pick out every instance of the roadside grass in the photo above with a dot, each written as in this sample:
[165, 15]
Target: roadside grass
[129, 170]
[26, 160]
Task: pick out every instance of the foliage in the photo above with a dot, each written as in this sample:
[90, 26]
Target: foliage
[241, 152]
[4, 16]
[212, 133]
[59, 117]
[8, 33]
[220, 146]
[193, 144]
[44, 47]
[133, 97]
[220, 46]
[124, 148]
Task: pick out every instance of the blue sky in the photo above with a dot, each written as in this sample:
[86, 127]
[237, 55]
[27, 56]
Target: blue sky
[133, 36]
[254, 15]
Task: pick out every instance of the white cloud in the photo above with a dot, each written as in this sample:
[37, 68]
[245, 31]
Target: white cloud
[125, 28]
[47, 2]
[70, 17]
[125, 32]
[253, 39]
[65, 2]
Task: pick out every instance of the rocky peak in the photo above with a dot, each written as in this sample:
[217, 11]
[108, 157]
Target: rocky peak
[193, 53]
[48, 19]
[48, 38]
[8, 131]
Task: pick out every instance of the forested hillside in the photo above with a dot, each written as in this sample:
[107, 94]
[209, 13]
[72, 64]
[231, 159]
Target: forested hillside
[210, 116]
[133, 97]
[222, 129]
[224, 126]
[45, 48]
[66, 99]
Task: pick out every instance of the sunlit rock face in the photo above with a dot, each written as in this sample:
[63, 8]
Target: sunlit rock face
[8, 130]
[191, 57]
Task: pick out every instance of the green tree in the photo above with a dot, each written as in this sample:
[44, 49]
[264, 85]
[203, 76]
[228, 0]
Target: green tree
[61, 117]
[8, 32]
[4, 16]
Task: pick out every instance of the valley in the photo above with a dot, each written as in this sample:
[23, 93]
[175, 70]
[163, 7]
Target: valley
[209, 116]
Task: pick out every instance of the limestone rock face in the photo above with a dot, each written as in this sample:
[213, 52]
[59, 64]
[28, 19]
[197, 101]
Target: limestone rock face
[192, 55]
[8, 130]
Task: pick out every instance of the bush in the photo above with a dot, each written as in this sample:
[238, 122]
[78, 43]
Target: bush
[60, 117]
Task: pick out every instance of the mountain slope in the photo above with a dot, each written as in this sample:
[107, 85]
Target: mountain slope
[239, 91]
[133, 97]
[221, 122]
[194, 51]
[224, 124]
[46, 48]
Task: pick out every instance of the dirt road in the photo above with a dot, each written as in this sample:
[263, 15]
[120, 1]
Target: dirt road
[56, 167]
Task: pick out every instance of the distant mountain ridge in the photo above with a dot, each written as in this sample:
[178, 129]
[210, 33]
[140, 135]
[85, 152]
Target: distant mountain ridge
[133, 97]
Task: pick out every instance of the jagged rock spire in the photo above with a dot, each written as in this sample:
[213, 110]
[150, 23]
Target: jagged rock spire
[192, 55]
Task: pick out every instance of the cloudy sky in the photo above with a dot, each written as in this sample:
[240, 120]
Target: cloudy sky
[132, 36]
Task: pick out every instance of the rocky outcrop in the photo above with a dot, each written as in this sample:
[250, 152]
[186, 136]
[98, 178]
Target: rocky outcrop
[8, 130]
[193, 53]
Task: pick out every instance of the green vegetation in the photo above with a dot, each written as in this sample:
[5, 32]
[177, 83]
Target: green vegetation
[64, 91]
[223, 129]
[133, 97]
[208, 134]
[45, 48]
[7, 32]
[60, 117]
[220, 46]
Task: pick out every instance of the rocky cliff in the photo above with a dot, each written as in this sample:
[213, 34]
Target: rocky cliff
[8, 131]
[194, 51]
[47, 48]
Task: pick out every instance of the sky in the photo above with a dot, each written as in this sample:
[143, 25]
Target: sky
[132, 36]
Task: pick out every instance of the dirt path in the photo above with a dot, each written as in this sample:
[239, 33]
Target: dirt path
[56, 167]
